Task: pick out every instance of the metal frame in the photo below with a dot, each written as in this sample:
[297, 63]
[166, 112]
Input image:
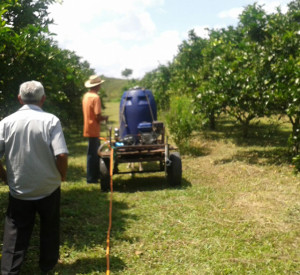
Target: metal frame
[140, 153]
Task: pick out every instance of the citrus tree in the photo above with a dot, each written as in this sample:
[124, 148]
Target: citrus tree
[284, 59]
[28, 51]
[248, 71]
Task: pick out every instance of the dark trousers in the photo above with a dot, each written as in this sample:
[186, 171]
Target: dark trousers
[18, 227]
[93, 171]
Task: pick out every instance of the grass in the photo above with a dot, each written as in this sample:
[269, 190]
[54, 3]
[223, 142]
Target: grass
[237, 211]
[113, 87]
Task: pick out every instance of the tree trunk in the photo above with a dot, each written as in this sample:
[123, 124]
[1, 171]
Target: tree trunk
[212, 120]
[245, 127]
[296, 136]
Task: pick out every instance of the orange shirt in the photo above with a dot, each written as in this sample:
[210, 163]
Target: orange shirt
[91, 107]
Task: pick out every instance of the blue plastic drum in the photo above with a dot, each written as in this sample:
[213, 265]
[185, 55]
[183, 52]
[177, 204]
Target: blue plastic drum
[137, 106]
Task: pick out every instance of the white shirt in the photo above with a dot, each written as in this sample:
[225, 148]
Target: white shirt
[30, 139]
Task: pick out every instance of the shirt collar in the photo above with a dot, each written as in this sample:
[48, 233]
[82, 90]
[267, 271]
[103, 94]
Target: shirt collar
[30, 107]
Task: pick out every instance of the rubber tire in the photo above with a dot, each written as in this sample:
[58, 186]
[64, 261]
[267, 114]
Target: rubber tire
[104, 166]
[174, 171]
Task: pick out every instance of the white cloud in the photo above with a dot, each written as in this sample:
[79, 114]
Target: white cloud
[271, 6]
[122, 22]
[232, 13]
[135, 26]
[268, 5]
[139, 57]
[116, 34]
[106, 34]
[202, 31]
[86, 9]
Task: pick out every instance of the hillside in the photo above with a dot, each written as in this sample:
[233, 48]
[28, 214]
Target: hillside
[113, 87]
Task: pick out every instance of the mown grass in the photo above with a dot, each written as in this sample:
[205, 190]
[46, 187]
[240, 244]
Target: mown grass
[237, 211]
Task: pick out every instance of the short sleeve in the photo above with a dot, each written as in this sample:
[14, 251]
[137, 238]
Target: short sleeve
[58, 142]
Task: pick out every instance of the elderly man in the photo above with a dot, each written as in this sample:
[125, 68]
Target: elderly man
[91, 107]
[36, 162]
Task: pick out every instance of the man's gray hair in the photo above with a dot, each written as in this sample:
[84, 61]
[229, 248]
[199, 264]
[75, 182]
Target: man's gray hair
[31, 91]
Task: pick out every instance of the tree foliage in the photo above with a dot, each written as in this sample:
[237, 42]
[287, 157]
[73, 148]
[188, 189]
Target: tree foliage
[159, 80]
[22, 13]
[27, 52]
[248, 71]
[127, 72]
[181, 119]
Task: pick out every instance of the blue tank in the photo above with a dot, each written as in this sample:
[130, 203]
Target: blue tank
[137, 108]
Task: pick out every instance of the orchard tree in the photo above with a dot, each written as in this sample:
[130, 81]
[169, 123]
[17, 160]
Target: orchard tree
[284, 60]
[186, 65]
[210, 99]
[158, 82]
[233, 79]
[190, 76]
[28, 12]
[248, 71]
[127, 72]
[5, 36]
[28, 52]
[248, 99]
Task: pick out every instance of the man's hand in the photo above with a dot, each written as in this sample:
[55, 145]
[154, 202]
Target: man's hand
[101, 118]
[104, 118]
[3, 174]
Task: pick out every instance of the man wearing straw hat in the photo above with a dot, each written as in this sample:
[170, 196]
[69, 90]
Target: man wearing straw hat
[91, 107]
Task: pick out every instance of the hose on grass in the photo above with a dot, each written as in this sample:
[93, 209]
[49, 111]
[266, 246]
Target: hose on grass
[110, 208]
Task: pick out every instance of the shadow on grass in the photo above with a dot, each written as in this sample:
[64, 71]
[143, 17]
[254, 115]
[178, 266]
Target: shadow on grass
[271, 156]
[141, 182]
[84, 224]
[138, 183]
[85, 217]
[76, 143]
[270, 139]
[77, 149]
[76, 173]
[193, 150]
[259, 134]
[89, 266]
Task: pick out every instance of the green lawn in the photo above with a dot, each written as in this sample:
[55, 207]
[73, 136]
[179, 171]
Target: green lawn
[237, 211]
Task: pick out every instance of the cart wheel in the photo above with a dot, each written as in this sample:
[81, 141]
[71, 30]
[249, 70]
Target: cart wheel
[104, 174]
[174, 171]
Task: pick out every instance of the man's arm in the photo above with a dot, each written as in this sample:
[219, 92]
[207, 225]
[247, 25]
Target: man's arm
[100, 118]
[3, 174]
[62, 165]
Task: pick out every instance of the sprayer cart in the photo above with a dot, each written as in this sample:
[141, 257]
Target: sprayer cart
[161, 154]
[140, 139]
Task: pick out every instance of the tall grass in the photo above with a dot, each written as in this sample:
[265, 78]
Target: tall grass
[237, 211]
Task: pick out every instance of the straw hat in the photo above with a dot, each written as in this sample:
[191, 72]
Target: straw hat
[93, 81]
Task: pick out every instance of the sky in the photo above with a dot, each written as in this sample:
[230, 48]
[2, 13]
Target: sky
[139, 34]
